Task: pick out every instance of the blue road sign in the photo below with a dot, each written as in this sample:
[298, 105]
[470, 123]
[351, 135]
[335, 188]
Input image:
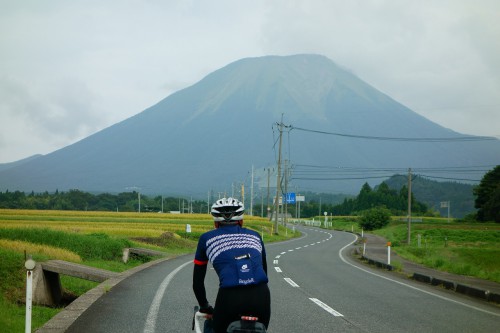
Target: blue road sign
[290, 198]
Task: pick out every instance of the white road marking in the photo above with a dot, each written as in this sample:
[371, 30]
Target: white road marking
[410, 286]
[282, 252]
[278, 256]
[150, 325]
[277, 269]
[290, 281]
[275, 262]
[298, 248]
[326, 307]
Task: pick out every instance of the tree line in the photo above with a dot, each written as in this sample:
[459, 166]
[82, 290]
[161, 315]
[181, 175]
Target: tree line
[487, 202]
[134, 202]
[79, 200]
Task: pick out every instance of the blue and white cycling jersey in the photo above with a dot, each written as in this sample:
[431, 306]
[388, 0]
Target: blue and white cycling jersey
[235, 253]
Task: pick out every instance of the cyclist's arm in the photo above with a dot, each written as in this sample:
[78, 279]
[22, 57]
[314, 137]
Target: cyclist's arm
[199, 272]
[264, 257]
[264, 263]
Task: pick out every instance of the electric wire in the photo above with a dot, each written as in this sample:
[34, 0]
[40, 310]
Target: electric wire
[322, 172]
[383, 138]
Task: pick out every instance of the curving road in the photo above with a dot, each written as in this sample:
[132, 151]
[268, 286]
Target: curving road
[314, 288]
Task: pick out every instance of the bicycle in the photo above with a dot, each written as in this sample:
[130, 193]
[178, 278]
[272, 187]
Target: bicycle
[246, 324]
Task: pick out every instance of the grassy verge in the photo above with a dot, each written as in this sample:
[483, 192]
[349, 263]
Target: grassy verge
[465, 249]
[471, 249]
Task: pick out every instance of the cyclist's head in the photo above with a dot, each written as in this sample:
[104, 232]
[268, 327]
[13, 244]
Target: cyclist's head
[228, 211]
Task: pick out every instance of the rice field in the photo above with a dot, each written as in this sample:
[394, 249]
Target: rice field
[115, 224]
[92, 238]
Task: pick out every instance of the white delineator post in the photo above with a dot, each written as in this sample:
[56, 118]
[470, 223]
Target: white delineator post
[388, 253]
[30, 265]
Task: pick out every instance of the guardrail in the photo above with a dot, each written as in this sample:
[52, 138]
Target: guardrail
[47, 288]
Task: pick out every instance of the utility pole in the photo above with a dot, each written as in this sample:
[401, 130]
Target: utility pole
[278, 177]
[261, 204]
[208, 201]
[278, 180]
[319, 206]
[251, 195]
[267, 202]
[286, 192]
[408, 240]
[243, 193]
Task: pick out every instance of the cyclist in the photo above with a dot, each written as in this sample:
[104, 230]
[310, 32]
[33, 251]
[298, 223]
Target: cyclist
[239, 258]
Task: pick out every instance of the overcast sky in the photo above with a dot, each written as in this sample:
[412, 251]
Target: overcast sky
[71, 68]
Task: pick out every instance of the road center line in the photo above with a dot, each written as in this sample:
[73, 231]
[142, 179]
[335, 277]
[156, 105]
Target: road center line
[326, 307]
[290, 282]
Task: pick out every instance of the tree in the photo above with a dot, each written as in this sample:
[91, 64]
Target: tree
[488, 196]
[382, 195]
[375, 218]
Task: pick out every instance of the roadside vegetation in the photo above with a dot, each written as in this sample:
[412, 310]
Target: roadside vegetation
[95, 239]
[459, 247]
[455, 247]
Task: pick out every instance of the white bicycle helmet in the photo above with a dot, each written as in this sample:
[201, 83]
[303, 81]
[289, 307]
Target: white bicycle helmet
[228, 211]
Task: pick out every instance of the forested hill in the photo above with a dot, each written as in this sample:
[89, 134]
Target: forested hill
[432, 193]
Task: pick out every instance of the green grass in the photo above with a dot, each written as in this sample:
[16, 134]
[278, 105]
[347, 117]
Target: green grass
[465, 249]
[91, 246]
[12, 316]
[12, 295]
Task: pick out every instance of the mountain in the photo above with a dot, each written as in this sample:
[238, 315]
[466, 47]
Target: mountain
[5, 166]
[460, 196]
[208, 136]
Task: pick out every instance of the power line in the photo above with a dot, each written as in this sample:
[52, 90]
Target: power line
[322, 172]
[343, 178]
[450, 178]
[382, 138]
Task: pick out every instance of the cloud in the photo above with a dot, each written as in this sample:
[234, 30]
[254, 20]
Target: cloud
[41, 114]
[70, 68]
[441, 59]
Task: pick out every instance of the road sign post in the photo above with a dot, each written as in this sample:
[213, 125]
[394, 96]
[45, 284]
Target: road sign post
[299, 199]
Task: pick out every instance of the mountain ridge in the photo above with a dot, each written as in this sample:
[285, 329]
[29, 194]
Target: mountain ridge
[207, 136]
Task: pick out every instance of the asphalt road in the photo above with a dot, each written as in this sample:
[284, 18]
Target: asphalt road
[315, 287]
